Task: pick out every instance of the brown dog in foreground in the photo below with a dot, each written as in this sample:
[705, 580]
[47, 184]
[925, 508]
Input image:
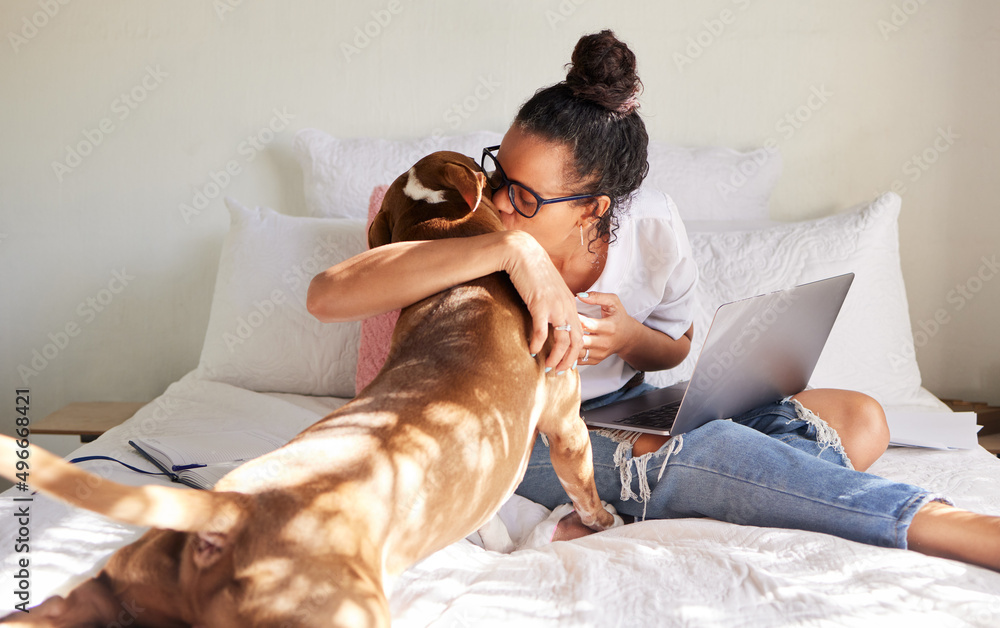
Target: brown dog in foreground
[424, 456]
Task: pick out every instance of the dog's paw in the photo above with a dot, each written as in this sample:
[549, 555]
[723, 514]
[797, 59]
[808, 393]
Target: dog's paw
[614, 512]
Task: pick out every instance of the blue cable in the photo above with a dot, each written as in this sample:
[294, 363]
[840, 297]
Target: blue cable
[85, 458]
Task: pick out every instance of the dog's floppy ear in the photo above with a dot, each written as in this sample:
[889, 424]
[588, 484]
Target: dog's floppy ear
[208, 548]
[468, 182]
[379, 232]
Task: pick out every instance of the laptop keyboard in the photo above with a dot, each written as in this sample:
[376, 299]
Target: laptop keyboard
[661, 417]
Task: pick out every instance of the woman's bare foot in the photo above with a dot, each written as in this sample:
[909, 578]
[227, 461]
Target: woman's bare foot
[570, 527]
[948, 532]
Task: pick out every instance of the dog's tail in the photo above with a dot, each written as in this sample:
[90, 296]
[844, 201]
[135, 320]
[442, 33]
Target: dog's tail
[154, 506]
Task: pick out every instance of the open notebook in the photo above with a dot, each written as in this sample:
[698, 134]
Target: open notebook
[201, 461]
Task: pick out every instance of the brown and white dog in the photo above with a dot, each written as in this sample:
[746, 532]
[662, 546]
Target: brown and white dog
[424, 456]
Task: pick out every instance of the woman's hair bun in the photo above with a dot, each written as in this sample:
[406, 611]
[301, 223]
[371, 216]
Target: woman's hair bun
[603, 72]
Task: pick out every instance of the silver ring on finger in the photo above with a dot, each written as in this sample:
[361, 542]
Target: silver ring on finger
[562, 328]
[586, 355]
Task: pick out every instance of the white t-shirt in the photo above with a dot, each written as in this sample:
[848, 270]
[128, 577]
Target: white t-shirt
[651, 269]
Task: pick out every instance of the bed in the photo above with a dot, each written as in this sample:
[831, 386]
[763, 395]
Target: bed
[266, 364]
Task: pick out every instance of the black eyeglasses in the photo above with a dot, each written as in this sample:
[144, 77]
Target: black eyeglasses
[525, 201]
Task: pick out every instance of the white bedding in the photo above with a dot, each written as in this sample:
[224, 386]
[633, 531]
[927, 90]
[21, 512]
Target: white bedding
[680, 572]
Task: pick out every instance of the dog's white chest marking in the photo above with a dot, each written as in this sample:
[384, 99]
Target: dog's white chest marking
[416, 190]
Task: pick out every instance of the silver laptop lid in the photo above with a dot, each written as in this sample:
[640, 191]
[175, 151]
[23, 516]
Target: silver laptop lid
[761, 349]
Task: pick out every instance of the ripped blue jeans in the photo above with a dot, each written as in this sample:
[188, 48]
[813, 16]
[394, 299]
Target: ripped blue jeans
[776, 466]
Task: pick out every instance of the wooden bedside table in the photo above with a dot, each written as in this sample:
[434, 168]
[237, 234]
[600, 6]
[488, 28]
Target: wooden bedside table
[986, 415]
[88, 419]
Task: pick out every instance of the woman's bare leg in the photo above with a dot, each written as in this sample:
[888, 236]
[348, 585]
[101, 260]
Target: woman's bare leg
[857, 418]
[948, 532]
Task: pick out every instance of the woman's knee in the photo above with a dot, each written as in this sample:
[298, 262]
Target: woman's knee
[858, 419]
[870, 429]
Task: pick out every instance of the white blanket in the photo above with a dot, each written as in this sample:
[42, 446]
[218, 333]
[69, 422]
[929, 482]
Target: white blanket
[693, 572]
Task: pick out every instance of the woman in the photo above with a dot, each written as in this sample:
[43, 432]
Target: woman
[561, 179]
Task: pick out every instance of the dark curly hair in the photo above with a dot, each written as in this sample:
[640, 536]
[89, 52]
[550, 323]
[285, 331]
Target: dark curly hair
[594, 112]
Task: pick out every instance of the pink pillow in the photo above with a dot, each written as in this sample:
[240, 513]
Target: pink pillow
[376, 332]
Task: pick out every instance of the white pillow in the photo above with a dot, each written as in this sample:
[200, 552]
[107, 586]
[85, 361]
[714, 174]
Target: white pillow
[715, 183]
[340, 174]
[871, 346]
[711, 183]
[260, 335]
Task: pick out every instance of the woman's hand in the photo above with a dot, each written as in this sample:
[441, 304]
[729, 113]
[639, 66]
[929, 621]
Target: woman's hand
[613, 333]
[616, 332]
[549, 300]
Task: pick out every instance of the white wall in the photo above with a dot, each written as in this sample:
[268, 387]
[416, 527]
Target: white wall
[209, 79]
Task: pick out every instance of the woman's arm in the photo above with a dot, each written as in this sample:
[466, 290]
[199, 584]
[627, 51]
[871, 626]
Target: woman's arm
[396, 275]
[400, 274]
[653, 350]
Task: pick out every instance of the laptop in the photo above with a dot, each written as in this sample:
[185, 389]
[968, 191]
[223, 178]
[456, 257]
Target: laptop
[757, 351]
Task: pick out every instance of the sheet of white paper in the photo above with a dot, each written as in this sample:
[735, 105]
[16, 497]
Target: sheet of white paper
[937, 430]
